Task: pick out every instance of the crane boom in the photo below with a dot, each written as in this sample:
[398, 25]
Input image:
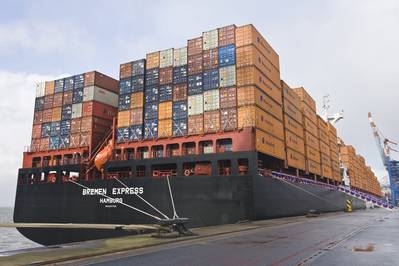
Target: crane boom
[378, 141]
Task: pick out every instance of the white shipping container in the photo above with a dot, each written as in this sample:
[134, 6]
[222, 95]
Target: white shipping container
[210, 39]
[195, 104]
[77, 110]
[40, 89]
[166, 58]
[180, 57]
[227, 76]
[211, 100]
[94, 93]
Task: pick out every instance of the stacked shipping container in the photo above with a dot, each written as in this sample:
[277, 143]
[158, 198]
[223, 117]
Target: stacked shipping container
[73, 112]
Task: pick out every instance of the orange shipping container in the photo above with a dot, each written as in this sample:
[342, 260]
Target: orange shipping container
[324, 148]
[211, 121]
[58, 99]
[195, 125]
[250, 55]
[313, 167]
[293, 126]
[292, 111]
[312, 141]
[306, 98]
[165, 110]
[194, 46]
[47, 115]
[123, 118]
[253, 116]
[326, 171]
[67, 97]
[227, 35]
[334, 156]
[49, 87]
[290, 95]
[252, 76]
[137, 100]
[325, 159]
[125, 70]
[164, 128]
[324, 137]
[75, 125]
[37, 131]
[337, 176]
[251, 95]
[312, 154]
[98, 109]
[152, 60]
[136, 116]
[48, 101]
[38, 117]
[332, 129]
[35, 145]
[194, 65]
[269, 145]
[310, 127]
[56, 114]
[294, 142]
[248, 34]
[95, 78]
[295, 159]
[165, 75]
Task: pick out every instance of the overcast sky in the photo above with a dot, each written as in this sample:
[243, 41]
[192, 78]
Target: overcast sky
[347, 49]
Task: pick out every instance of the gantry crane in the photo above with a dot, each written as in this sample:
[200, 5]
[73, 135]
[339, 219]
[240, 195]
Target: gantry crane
[384, 146]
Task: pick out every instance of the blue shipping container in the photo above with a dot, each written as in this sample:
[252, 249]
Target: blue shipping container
[180, 74]
[125, 86]
[138, 83]
[55, 129]
[152, 77]
[138, 67]
[122, 134]
[179, 110]
[64, 141]
[151, 111]
[124, 102]
[77, 95]
[165, 93]
[136, 132]
[39, 103]
[179, 127]
[59, 85]
[46, 130]
[66, 112]
[151, 129]
[151, 94]
[195, 84]
[68, 83]
[54, 143]
[79, 81]
[211, 79]
[227, 55]
[65, 127]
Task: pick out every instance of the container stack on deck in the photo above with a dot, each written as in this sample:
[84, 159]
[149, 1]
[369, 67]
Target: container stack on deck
[73, 112]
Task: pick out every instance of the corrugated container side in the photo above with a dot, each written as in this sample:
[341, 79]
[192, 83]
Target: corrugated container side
[75, 125]
[179, 127]
[228, 97]
[49, 87]
[55, 128]
[137, 100]
[137, 83]
[123, 118]
[44, 143]
[77, 110]
[58, 85]
[74, 140]
[136, 132]
[324, 148]
[95, 78]
[67, 97]
[94, 93]
[194, 64]
[48, 101]
[47, 115]
[294, 142]
[312, 154]
[152, 77]
[251, 95]
[165, 75]
[296, 159]
[152, 60]
[66, 112]
[35, 145]
[195, 104]
[65, 127]
[165, 93]
[227, 76]
[37, 117]
[290, 95]
[324, 137]
[305, 97]
[39, 104]
[310, 126]
[164, 128]
[210, 39]
[125, 70]
[180, 92]
[210, 79]
[195, 84]
[252, 76]
[210, 59]
[326, 171]
[151, 129]
[99, 110]
[179, 74]
[78, 81]
[211, 100]
[37, 131]
[227, 35]
[138, 67]
[269, 144]
[179, 110]
[166, 58]
[68, 83]
[227, 55]
[313, 167]
[228, 119]
[194, 46]
[151, 94]
[125, 86]
[136, 116]
[77, 96]
[55, 114]
[211, 121]
[312, 141]
[46, 130]
[196, 125]
[124, 102]
[165, 110]
[180, 57]
[40, 89]
[292, 111]
[151, 111]
[122, 134]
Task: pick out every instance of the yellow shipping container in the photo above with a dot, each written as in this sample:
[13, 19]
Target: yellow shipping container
[251, 95]
[253, 116]
[165, 110]
[123, 118]
[56, 114]
[295, 159]
[152, 60]
[164, 128]
[137, 100]
[269, 144]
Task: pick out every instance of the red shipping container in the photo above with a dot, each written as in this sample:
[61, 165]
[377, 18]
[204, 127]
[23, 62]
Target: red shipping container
[194, 46]
[228, 97]
[35, 145]
[67, 97]
[38, 117]
[95, 78]
[211, 121]
[99, 110]
[36, 131]
[44, 144]
[58, 99]
[180, 92]
[194, 64]
[75, 125]
[195, 125]
[74, 141]
[165, 75]
[136, 116]
[48, 101]
[210, 59]
[95, 124]
[228, 119]
[47, 115]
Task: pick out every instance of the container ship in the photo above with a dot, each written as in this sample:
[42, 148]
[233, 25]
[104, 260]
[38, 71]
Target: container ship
[211, 123]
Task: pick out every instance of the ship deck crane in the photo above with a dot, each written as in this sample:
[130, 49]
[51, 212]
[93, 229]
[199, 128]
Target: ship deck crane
[384, 146]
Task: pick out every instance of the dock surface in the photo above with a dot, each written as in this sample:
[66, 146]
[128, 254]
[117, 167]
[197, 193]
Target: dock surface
[368, 237]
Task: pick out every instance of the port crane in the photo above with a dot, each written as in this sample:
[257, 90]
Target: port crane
[384, 146]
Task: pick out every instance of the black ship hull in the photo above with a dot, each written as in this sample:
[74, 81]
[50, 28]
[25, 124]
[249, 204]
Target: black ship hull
[205, 200]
